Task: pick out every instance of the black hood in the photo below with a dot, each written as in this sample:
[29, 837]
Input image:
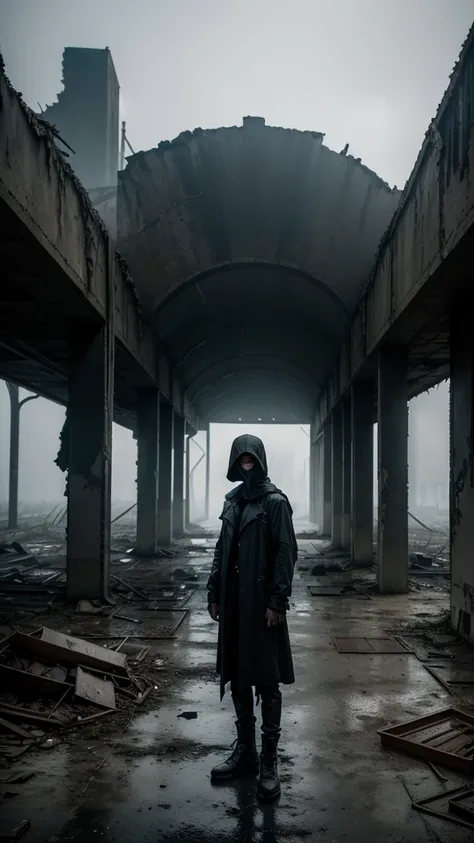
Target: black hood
[255, 483]
[246, 444]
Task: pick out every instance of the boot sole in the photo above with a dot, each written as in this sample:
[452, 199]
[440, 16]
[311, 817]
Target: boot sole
[225, 777]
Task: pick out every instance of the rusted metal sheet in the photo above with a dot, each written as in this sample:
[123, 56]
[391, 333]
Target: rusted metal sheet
[446, 738]
[369, 645]
[95, 690]
[54, 647]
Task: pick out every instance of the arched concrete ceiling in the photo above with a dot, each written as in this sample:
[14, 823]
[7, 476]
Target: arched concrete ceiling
[246, 322]
[249, 248]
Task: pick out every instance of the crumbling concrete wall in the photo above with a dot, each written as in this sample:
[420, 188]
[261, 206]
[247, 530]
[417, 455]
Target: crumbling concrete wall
[87, 115]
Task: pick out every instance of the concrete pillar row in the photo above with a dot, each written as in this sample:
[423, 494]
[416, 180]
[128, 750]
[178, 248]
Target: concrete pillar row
[327, 478]
[362, 472]
[165, 475]
[392, 418]
[178, 476]
[89, 446]
[148, 432]
[336, 476]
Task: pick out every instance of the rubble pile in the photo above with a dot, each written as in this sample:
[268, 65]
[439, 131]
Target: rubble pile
[50, 681]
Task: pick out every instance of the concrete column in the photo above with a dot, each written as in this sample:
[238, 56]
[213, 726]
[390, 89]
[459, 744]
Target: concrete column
[327, 479]
[392, 551]
[208, 471]
[187, 506]
[312, 482]
[462, 473]
[13, 390]
[336, 471]
[148, 431]
[346, 471]
[165, 479]
[178, 476]
[319, 481]
[362, 481]
[15, 407]
[89, 442]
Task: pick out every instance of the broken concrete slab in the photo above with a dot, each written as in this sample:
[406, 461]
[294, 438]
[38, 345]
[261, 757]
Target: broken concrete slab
[56, 647]
[94, 689]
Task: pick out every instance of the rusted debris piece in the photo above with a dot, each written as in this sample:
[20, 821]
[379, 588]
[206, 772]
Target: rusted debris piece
[445, 738]
[456, 806]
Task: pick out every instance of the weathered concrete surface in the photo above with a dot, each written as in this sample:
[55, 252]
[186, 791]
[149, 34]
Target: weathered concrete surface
[426, 254]
[250, 194]
[44, 204]
[152, 782]
[265, 218]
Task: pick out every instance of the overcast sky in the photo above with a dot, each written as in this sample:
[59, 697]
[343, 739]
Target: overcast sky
[366, 72]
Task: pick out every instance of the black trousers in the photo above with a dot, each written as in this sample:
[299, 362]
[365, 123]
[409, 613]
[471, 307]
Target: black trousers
[243, 700]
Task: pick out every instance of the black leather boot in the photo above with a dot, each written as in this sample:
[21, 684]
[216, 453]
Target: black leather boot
[244, 758]
[269, 782]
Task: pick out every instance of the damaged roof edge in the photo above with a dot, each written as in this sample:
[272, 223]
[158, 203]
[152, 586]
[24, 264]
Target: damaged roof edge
[428, 139]
[184, 138]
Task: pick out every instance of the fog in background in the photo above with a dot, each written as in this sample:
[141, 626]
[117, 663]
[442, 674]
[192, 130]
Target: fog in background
[366, 72]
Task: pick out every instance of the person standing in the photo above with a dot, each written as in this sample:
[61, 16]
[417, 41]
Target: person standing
[248, 595]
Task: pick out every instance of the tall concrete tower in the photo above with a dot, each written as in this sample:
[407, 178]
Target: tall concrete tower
[87, 115]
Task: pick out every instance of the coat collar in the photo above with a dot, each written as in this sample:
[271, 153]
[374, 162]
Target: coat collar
[251, 511]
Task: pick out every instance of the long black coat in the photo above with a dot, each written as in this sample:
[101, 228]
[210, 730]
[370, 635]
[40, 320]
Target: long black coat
[266, 556]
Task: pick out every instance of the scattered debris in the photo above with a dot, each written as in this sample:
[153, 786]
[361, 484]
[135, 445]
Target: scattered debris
[185, 574]
[41, 670]
[453, 805]
[337, 591]
[445, 738]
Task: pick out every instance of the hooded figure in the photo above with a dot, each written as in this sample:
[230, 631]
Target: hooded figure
[248, 591]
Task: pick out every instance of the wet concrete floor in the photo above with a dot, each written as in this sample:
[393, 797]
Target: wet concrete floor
[152, 782]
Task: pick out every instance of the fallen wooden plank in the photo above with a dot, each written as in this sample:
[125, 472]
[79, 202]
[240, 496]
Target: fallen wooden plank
[12, 727]
[27, 716]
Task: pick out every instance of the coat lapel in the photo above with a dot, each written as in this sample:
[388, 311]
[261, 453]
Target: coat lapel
[251, 512]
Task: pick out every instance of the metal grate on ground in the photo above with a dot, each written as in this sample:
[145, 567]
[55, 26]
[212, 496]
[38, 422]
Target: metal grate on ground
[376, 645]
